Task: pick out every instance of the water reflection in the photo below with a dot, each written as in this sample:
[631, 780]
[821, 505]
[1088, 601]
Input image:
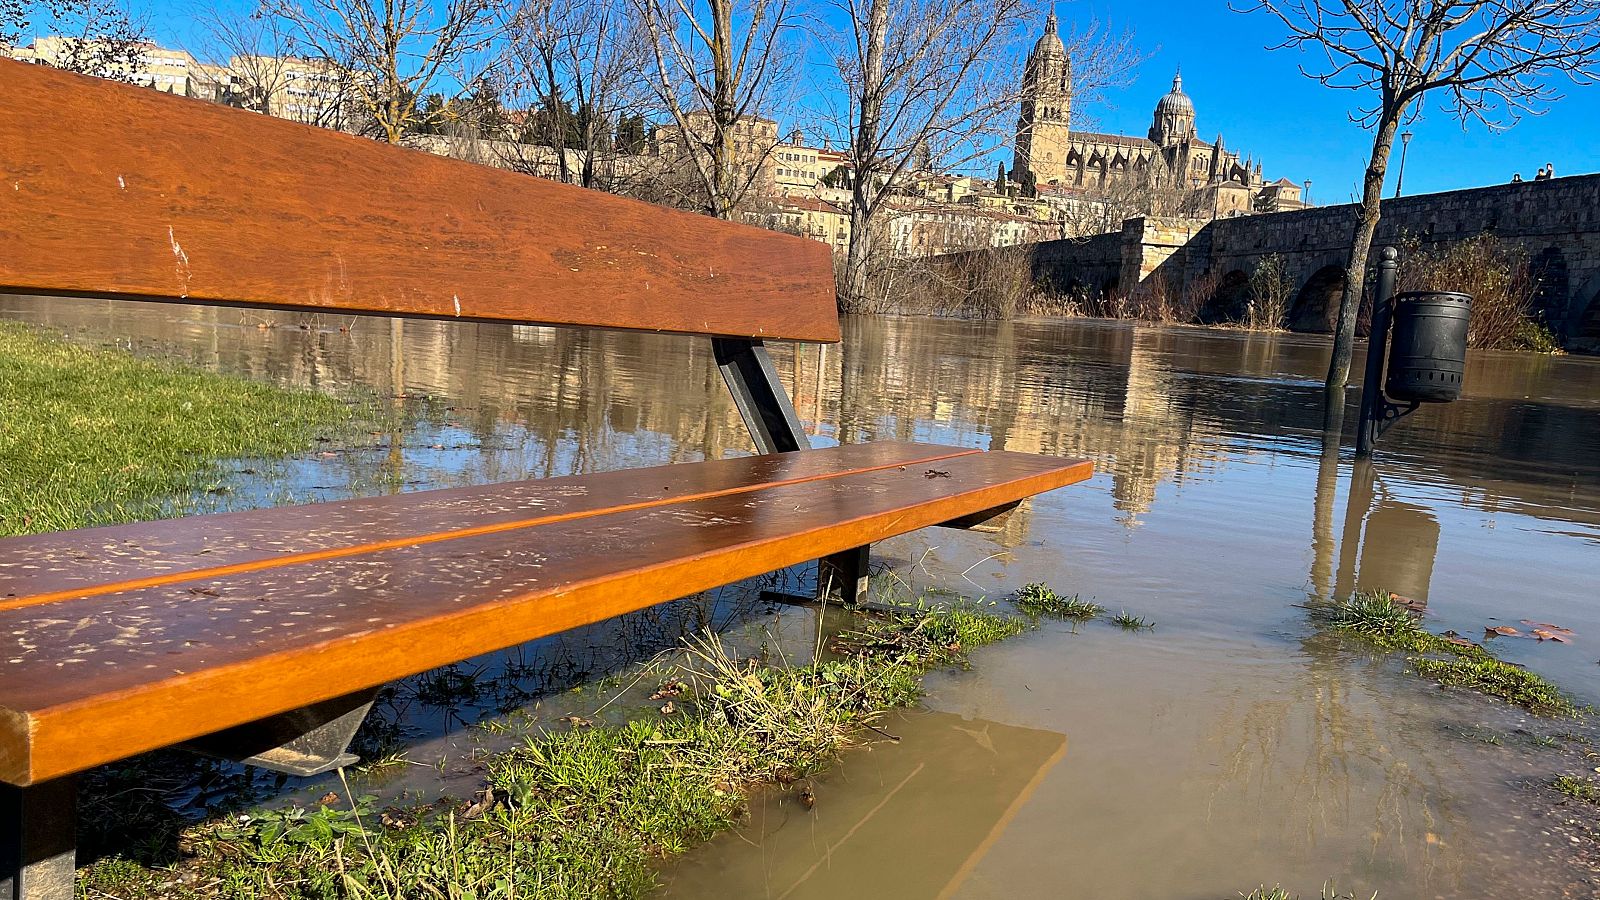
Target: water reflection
[1225, 748]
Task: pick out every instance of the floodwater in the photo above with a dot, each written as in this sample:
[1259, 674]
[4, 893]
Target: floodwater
[1227, 747]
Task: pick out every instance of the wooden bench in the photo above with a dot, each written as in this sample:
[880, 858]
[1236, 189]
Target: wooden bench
[263, 635]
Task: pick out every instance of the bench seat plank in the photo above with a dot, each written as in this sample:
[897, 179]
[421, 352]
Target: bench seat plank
[94, 678]
[38, 568]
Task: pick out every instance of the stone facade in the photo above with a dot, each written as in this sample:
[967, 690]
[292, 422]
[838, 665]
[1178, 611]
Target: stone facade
[1208, 179]
[1555, 222]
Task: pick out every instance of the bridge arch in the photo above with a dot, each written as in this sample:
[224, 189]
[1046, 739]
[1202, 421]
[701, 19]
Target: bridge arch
[1227, 303]
[1552, 290]
[1583, 323]
[1317, 302]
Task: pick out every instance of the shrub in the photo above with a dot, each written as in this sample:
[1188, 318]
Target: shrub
[1495, 274]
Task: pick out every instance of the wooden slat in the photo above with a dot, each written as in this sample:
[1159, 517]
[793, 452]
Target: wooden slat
[100, 677]
[43, 568]
[114, 190]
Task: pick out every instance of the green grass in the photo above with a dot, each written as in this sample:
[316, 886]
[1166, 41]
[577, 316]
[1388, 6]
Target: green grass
[1128, 622]
[93, 437]
[1578, 787]
[1374, 618]
[586, 811]
[1039, 601]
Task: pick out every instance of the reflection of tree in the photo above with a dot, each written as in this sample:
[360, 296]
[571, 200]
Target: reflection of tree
[1357, 769]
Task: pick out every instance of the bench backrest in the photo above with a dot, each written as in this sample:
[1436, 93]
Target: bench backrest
[111, 190]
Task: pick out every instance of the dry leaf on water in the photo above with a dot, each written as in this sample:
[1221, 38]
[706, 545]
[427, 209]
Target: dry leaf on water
[1543, 635]
[1409, 603]
[1501, 630]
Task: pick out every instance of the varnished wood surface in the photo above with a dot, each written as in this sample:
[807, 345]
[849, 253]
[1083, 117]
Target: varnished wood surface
[114, 190]
[43, 568]
[94, 677]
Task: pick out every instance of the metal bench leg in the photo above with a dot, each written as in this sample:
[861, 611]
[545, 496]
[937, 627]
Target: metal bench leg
[842, 577]
[38, 840]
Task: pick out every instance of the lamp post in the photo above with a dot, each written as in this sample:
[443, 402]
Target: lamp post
[1405, 144]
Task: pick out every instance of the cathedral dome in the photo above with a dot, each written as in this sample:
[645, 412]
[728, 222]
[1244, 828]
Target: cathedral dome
[1176, 102]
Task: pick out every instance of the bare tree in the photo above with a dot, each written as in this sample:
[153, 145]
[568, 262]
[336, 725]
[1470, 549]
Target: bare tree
[1487, 60]
[392, 52]
[934, 80]
[266, 72]
[580, 62]
[102, 37]
[715, 65]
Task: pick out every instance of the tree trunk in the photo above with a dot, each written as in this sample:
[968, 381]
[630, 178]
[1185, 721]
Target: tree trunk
[1344, 332]
[869, 124]
[857, 287]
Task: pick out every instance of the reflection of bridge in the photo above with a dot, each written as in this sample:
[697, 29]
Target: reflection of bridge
[1557, 223]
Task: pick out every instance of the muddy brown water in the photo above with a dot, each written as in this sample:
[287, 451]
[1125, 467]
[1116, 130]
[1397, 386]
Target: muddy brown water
[1229, 746]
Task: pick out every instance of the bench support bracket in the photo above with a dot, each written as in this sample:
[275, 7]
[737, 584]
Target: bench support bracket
[989, 521]
[306, 741]
[38, 840]
[767, 412]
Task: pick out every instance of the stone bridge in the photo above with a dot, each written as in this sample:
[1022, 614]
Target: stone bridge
[1557, 223]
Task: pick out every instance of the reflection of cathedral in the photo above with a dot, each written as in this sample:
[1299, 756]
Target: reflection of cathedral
[1171, 159]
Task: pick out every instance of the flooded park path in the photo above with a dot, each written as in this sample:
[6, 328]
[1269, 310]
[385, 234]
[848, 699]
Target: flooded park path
[1229, 746]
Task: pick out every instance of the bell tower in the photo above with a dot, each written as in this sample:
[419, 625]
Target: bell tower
[1042, 126]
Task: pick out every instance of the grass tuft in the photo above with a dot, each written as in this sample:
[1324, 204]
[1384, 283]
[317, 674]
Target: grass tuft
[1039, 601]
[1128, 622]
[1578, 787]
[96, 437]
[1374, 618]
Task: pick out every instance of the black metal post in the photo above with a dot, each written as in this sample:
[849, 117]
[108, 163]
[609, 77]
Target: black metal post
[763, 403]
[1373, 403]
[767, 412]
[38, 840]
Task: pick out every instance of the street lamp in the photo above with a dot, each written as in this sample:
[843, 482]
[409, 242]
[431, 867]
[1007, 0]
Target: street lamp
[1405, 144]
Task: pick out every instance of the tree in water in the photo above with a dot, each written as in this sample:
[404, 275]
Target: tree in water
[1489, 61]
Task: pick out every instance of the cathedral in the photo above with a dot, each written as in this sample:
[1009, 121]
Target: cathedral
[1206, 179]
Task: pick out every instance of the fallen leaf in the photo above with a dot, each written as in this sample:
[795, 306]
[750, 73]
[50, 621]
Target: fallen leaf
[1409, 603]
[1502, 630]
[482, 802]
[1543, 635]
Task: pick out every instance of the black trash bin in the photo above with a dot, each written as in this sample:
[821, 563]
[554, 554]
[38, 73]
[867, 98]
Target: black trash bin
[1428, 353]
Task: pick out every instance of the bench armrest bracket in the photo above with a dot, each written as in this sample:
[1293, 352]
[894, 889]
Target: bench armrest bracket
[763, 403]
[306, 741]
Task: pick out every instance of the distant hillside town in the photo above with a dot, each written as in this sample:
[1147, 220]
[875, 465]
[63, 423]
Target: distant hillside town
[1062, 183]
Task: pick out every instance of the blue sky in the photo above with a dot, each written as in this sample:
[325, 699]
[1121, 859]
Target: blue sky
[1300, 129]
[1260, 103]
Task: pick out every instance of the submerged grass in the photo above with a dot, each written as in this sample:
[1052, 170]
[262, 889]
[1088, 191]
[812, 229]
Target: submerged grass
[92, 437]
[1039, 601]
[1128, 622]
[1329, 892]
[1375, 618]
[587, 811]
